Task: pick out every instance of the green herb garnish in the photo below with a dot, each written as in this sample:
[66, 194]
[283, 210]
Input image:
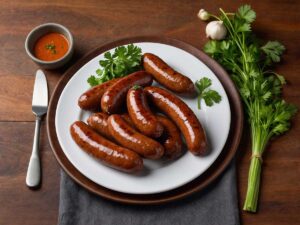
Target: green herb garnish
[209, 96]
[51, 47]
[260, 88]
[135, 87]
[124, 60]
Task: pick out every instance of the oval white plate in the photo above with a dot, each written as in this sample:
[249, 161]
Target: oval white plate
[158, 176]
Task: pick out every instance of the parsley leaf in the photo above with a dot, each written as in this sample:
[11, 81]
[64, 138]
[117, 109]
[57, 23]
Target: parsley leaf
[92, 80]
[136, 87]
[209, 96]
[273, 50]
[123, 61]
[245, 12]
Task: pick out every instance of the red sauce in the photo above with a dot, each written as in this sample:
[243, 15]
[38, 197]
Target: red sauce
[51, 46]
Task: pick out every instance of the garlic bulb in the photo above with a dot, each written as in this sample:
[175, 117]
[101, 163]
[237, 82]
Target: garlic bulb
[203, 15]
[216, 30]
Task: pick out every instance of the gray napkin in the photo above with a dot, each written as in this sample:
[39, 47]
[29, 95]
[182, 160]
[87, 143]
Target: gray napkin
[216, 205]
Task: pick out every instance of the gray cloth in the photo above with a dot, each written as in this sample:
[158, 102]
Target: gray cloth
[216, 205]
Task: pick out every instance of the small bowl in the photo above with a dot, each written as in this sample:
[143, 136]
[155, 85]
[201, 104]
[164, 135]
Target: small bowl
[41, 30]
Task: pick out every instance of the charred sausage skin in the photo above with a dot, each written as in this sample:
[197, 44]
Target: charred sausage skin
[114, 97]
[128, 137]
[171, 138]
[141, 115]
[167, 76]
[182, 116]
[107, 152]
[98, 121]
[90, 100]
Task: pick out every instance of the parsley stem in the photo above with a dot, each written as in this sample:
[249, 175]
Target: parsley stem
[233, 33]
[199, 101]
[253, 185]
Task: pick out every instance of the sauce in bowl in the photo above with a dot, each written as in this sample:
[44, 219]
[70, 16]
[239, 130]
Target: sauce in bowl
[51, 46]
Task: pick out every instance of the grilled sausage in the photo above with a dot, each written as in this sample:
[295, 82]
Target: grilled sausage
[171, 138]
[107, 152]
[115, 96]
[128, 137]
[128, 120]
[90, 100]
[141, 115]
[98, 121]
[182, 116]
[167, 76]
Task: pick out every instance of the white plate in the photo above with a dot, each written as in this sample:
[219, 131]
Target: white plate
[158, 176]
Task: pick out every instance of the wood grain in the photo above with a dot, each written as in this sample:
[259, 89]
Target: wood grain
[96, 22]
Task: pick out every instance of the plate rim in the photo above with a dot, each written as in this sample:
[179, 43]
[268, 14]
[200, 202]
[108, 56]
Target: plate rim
[162, 197]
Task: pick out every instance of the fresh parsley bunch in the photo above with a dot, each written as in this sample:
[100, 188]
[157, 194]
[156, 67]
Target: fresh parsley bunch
[124, 60]
[249, 63]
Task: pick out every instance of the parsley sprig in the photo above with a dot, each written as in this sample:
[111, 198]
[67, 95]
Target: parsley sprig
[249, 64]
[51, 47]
[209, 96]
[124, 60]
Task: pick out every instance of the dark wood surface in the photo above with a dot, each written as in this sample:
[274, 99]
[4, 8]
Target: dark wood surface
[94, 23]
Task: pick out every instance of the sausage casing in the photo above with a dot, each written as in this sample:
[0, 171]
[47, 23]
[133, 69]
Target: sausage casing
[182, 116]
[107, 152]
[114, 97]
[98, 121]
[141, 115]
[171, 138]
[167, 76]
[90, 100]
[128, 137]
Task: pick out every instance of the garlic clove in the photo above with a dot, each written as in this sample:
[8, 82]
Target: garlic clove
[216, 30]
[203, 15]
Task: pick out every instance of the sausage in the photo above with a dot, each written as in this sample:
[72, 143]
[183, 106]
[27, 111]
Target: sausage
[115, 95]
[182, 116]
[128, 137]
[171, 138]
[128, 120]
[90, 100]
[98, 121]
[141, 115]
[167, 76]
[107, 152]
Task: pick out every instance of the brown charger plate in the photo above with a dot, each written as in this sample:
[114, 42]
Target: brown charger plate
[196, 185]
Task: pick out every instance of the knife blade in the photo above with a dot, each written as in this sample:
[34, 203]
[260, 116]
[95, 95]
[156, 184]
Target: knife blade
[40, 94]
[39, 108]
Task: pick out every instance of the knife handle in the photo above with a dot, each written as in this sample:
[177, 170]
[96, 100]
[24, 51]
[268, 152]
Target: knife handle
[33, 176]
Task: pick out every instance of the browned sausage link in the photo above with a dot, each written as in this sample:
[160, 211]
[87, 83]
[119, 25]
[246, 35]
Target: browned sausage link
[167, 76]
[141, 115]
[128, 120]
[182, 116]
[90, 100]
[126, 136]
[171, 138]
[107, 152]
[115, 96]
[98, 121]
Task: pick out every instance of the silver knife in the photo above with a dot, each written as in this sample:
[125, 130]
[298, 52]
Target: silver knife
[39, 108]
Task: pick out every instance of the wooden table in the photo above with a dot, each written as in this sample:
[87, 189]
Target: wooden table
[94, 23]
